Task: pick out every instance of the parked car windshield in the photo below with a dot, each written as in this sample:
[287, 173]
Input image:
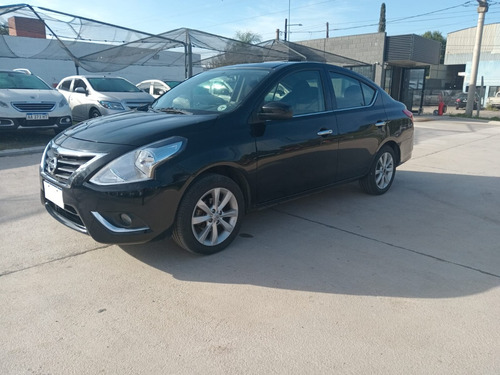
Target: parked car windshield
[212, 91]
[106, 84]
[15, 80]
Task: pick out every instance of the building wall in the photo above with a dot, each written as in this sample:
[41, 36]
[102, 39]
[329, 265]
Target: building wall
[459, 51]
[368, 48]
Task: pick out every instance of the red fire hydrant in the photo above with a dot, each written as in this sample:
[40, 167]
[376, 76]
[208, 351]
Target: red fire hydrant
[441, 106]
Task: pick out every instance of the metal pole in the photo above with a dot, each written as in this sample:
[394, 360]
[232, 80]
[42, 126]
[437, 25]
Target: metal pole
[481, 93]
[481, 10]
[188, 53]
[289, 20]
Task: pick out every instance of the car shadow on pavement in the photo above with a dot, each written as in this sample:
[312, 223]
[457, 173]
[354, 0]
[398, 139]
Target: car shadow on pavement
[432, 236]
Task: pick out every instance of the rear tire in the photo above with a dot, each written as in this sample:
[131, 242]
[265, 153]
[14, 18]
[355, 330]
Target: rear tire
[382, 172]
[209, 215]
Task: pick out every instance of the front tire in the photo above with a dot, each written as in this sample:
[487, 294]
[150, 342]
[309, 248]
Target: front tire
[382, 172]
[94, 113]
[209, 215]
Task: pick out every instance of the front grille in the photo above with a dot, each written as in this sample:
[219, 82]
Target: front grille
[36, 123]
[67, 165]
[68, 213]
[34, 107]
[62, 163]
[135, 104]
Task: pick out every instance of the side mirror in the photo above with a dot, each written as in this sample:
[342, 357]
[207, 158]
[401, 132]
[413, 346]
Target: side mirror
[275, 111]
[81, 90]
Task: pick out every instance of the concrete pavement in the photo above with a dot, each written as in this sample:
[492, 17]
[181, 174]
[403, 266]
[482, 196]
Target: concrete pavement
[338, 282]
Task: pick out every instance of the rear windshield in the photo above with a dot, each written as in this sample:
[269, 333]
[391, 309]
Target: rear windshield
[112, 85]
[15, 80]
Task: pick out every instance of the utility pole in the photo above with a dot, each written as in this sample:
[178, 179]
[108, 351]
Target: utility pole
[471, 96]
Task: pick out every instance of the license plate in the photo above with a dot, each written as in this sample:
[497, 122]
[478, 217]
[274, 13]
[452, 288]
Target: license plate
[37, 116]
[53, 194]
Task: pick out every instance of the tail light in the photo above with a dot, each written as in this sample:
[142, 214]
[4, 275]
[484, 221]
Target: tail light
[408, 113]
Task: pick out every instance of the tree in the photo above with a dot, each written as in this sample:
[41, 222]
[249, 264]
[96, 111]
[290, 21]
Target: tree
[381, 22]
[238, 51]
[248, 37]
[4, 29]
[438, 37]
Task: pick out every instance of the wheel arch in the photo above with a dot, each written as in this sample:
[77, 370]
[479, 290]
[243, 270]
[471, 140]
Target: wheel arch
[92, 108]
[234, 174]
[395, 147]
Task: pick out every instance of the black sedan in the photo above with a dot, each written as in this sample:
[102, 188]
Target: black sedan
[222, 143]
[461, 101]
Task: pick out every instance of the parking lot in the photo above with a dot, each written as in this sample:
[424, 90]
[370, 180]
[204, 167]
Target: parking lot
[336, 283]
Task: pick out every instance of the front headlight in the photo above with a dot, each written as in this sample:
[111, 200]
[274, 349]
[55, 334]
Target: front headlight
[111, 105]
[140, 164]
[63, 103]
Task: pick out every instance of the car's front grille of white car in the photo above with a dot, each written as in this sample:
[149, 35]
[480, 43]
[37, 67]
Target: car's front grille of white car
[34, 107]
[135, 104]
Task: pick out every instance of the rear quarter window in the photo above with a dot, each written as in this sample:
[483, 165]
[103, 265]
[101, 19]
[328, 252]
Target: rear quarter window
[350, 92]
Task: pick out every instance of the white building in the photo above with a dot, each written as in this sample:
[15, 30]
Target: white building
[48, 60]
[459, 51]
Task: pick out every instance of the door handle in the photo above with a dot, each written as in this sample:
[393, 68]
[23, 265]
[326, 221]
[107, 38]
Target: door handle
[380, 123]
[325, 132]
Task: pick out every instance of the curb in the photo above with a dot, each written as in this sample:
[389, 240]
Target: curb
[22, 151]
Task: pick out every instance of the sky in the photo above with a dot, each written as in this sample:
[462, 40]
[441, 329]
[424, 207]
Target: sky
[307, 18]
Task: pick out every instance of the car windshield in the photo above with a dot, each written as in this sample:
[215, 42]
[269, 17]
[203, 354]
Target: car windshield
[212, 91]
[15, 80]
[106, 84]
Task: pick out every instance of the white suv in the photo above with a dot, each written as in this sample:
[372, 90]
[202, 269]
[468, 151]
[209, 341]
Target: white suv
[93, 96]
[27, 102]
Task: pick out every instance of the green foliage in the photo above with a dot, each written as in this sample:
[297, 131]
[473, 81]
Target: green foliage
[381, 22]
[4, 29]
[438, 37]
[238, 51]
[248, 37]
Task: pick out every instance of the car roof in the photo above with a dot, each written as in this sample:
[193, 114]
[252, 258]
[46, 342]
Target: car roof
[23, 72]
[281, 65]
[91, 76]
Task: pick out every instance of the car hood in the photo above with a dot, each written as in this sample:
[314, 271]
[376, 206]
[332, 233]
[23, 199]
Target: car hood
[135, 128]
[28, 95]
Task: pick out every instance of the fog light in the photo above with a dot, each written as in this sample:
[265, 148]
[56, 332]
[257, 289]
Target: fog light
[65, 120]
[126, 220]
[6, 122]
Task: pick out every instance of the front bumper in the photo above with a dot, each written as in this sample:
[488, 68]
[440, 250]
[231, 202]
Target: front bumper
[12, 123]
[125, 215]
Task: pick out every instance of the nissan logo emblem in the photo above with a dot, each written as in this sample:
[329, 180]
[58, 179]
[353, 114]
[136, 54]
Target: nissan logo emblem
[52, 164]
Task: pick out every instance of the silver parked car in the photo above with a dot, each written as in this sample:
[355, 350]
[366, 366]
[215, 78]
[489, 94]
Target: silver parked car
[157, 87]
[94, 96]
[27, 102]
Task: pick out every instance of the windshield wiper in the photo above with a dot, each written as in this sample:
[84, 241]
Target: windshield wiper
[174, 110]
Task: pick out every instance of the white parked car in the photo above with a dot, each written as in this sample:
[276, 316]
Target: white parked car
[94, 96]
[27, 102]
[156, 87]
